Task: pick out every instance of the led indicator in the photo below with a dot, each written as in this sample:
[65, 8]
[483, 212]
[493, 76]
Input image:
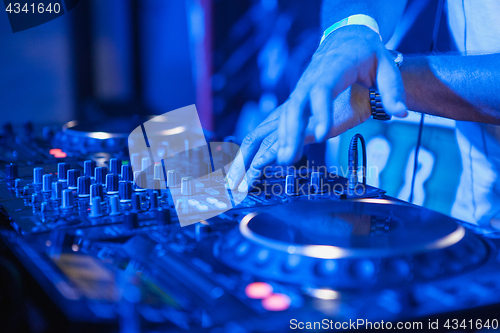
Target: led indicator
[258, 290]
[276, 302]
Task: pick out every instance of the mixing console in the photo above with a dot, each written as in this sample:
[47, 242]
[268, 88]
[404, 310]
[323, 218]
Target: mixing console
[105, 244]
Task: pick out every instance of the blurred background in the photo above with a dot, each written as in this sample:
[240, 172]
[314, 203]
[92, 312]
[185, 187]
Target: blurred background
[236, 60]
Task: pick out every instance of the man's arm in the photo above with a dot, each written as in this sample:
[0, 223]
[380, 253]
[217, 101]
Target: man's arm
[456, 87]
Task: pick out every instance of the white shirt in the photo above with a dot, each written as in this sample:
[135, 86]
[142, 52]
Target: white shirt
[475, 26]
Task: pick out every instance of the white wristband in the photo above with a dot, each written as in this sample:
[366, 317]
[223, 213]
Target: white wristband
[358, 19]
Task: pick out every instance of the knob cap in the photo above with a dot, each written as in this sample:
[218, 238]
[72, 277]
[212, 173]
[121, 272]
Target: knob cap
[140, 181]
[72, 178]
[153, 200]
[67, 199]
[188, 187]
[146, 165]
[37, 176]
[83, 189]
[112, 183]
[62, 171]
[95, 191]
[95, 209]
[114, 203]
[136, 203]
[11, 171]
[163, 217]
[134, 161]
[127, 174]
[158, 171]
[173, 178]
[100, 175]
[56, 190]
[291, 185]
[47, 183]
[317, 182]
[125, 191]
[154, 185]
[131, 220]
[88, 168]
[115, 165]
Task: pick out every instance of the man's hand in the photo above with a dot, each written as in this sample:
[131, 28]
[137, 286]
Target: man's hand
[349, 55]
[259, 148]
[352, 54]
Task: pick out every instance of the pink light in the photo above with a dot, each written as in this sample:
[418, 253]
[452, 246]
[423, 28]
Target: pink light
[57, 153]
[258, 290]
[276, 302]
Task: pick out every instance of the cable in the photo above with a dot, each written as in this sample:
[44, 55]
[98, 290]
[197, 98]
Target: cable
[435, 31]
[353, 161]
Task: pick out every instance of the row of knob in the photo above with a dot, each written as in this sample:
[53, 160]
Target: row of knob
[126, 174]
[86, 185]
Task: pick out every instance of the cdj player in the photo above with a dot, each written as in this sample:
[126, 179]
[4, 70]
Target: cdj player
[98, 251]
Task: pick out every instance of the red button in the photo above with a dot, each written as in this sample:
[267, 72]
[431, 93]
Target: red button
[276, 302]
[258, 290]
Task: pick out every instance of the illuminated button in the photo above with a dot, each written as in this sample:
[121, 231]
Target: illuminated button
[212, 200]
[202, 207]
[57, 153]
[276, 302]
[326, 267]
[221, 205]
[258, 290]
[327, 294]
[193, 202]
[363, 269]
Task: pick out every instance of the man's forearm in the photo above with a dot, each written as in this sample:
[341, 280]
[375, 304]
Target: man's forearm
[456, 87]
[386, 12]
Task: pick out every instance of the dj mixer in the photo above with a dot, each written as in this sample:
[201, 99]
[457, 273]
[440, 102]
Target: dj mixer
[108, 253]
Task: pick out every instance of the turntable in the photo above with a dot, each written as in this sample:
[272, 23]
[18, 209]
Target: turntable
[351, 245]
